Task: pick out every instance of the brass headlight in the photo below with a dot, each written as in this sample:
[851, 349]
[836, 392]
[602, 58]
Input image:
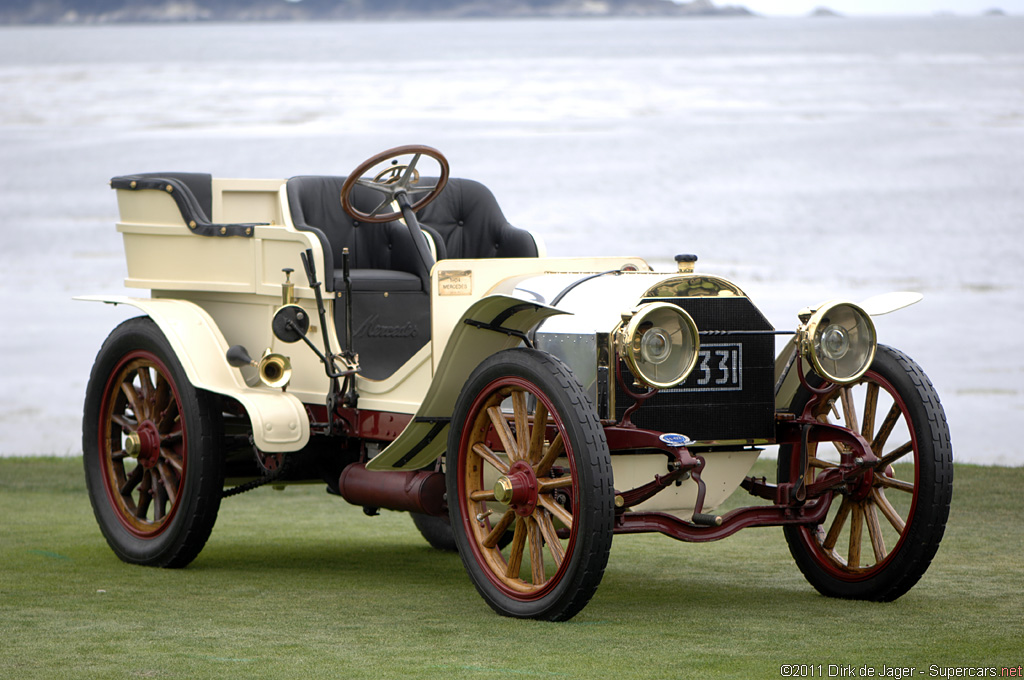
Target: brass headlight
[659, 344]
[839, 340]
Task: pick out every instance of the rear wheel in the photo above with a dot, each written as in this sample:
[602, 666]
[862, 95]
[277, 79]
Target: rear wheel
[527, 455]
[437, 531]
[881, 532]
[151, 444]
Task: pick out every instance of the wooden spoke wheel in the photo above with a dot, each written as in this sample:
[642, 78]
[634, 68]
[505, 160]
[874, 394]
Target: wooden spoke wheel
[527, 457]
[882, 530]
[152, 463]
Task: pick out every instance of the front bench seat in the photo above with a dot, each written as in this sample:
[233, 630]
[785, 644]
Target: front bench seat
[471, 225]
[382, 256]
[390, 286]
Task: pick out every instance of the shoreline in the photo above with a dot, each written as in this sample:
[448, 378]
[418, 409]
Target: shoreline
[260, 11]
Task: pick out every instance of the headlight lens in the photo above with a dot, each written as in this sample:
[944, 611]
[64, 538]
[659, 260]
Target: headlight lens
[655, 345]
[840, 341]
[659, 344]
[835, 342]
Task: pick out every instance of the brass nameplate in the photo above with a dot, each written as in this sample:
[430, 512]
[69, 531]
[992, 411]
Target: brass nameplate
[455, 282]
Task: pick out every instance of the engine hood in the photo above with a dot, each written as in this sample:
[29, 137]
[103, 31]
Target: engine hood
[596, 302]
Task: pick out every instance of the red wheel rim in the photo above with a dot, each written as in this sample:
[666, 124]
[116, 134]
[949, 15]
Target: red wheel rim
[143, 445]
[865, 532]
[539, 502]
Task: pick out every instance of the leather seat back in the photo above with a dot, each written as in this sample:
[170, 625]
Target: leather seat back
[315, 205]
[472, 225]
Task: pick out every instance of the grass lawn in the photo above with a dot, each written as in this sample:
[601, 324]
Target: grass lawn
[298, 584]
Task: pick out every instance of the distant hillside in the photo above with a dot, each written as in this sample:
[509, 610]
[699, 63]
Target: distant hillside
[114, 11]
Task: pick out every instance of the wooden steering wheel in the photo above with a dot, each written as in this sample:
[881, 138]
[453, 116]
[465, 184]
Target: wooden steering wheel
[394, 182]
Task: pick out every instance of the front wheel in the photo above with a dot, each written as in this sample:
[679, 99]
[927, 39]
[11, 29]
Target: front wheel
[881, 532]
[154, 466]
[527, 455]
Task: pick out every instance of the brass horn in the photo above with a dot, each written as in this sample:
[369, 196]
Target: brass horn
[275, 370]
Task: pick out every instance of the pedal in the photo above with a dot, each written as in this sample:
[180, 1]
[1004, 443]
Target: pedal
[706, 520]
[700, 518]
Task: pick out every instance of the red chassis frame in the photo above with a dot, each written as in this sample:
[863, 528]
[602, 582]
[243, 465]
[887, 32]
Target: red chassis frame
[793, 502]
[797, 502]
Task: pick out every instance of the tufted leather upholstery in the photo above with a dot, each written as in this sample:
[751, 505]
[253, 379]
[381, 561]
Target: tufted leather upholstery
[471, 224]
[464, 220]
[192, 192]
[200, 189]
[385, 251]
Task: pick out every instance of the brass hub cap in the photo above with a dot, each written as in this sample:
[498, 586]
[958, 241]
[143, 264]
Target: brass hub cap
[132, 445]
[518, 489]
[146, 443]
[503, 490]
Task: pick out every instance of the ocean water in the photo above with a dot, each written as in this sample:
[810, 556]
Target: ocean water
[804, 158]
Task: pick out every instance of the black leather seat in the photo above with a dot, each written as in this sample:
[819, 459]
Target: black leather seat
[199, 185]
[382, 256]
[390, 283]
[471, 225]
[464, 220]
[193, 194]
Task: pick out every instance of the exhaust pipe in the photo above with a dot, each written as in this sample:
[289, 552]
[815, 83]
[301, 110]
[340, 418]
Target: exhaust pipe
[412, 491]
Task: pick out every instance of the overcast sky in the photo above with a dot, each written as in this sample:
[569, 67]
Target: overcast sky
[856, 7]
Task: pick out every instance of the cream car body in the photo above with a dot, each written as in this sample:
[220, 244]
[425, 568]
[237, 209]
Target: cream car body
[216, 269]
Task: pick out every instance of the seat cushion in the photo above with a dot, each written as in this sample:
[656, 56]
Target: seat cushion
[377, 280]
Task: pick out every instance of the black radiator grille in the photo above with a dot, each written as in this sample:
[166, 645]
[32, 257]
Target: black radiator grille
[730, 394]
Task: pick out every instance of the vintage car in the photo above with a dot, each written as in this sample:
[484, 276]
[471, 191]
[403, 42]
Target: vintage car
[428, 357]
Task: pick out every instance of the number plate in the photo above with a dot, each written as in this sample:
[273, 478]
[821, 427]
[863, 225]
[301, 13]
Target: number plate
[719, 369]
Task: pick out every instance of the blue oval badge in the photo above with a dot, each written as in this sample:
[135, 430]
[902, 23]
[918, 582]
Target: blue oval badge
[676, 440]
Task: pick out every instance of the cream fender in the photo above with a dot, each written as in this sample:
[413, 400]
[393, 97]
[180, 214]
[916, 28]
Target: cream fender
[279, 420]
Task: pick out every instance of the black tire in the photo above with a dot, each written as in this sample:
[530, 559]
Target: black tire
[154, 466]
[861, 551]
[570, 453]
[436, 530]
